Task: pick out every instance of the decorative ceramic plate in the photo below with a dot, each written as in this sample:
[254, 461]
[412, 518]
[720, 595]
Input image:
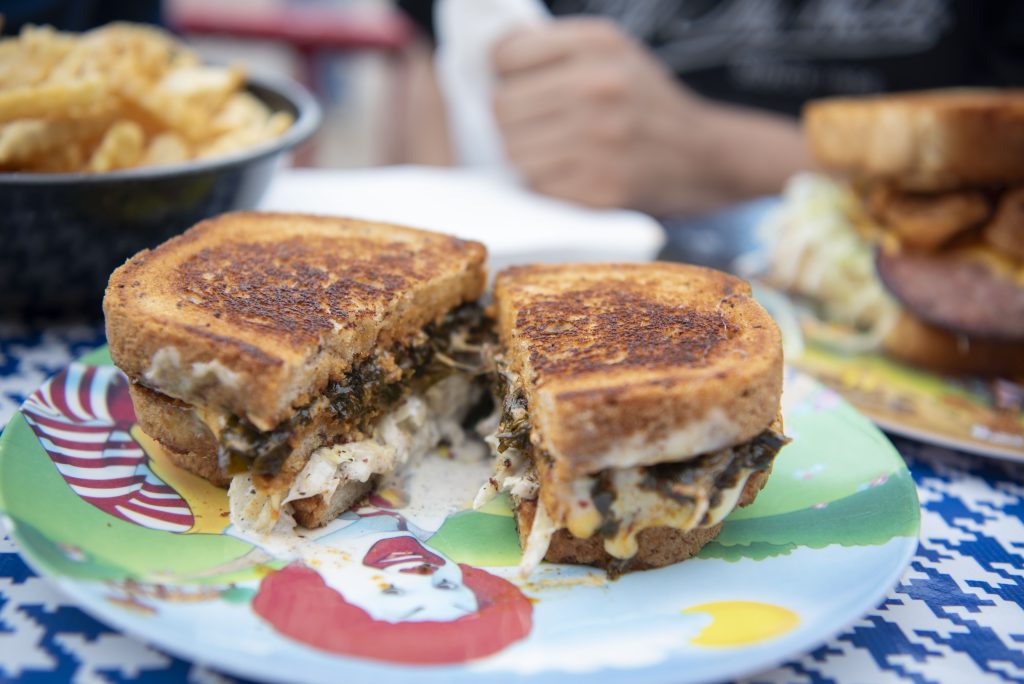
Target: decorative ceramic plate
[97, 507]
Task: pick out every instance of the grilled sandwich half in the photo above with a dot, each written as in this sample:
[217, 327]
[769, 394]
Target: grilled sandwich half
[298, 358]
[639, 407]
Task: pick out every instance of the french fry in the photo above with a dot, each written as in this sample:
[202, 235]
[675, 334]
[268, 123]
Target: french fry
[120, 147]
[65, 159]
[118, 96]
[166, 148]
[23, 141]
[241, 111]
[242, 138]
[29, 60]
[51, 99]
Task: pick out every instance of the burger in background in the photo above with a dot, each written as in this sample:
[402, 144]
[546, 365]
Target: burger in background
[914, 244]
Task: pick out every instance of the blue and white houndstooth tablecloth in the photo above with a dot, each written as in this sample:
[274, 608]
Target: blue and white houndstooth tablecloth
[957, 614]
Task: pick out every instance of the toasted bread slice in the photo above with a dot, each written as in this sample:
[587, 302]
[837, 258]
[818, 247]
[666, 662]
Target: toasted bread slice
[925, 141]
[657, 546]
[637, 364]
[253, 313]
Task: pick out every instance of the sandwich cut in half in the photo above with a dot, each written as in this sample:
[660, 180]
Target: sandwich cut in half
[639, 407]
[298, 358]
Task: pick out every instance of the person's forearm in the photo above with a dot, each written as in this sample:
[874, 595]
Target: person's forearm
[702, 155]
[754, 151]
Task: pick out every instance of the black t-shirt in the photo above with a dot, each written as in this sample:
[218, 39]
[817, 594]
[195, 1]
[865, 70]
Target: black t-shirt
[75, 15]
[777, 54]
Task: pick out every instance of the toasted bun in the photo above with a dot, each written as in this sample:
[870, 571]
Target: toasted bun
[636, 364]
[658, 546]
[926, 141]
[255, 312]
[917, 343]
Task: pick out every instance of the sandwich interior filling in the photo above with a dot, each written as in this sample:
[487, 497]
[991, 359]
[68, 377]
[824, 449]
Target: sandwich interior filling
[401, 436]
[390, 408]
[615, 503]
[354, 402]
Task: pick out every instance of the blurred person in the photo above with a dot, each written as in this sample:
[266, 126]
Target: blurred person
[681, 107]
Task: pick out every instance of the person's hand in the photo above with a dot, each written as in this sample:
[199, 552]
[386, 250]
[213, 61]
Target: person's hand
[589, 116]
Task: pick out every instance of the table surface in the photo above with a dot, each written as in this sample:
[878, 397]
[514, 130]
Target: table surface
[956, 615]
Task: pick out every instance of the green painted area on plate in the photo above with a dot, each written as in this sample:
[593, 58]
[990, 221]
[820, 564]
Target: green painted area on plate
[66, 559]
[479, 539]
[499, 505]
[870, 517]
[98, 357]
[834, 452]
[66, 521]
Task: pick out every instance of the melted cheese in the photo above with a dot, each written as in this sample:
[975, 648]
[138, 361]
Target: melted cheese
[714, 430]
[635, 506]
[638, 507]
[166, 371]
[538, 541]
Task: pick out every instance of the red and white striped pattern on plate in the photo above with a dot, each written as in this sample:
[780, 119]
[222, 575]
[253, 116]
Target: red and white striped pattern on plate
[82, 418]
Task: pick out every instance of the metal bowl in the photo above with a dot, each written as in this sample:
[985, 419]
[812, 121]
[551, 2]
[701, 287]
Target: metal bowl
[63, 234]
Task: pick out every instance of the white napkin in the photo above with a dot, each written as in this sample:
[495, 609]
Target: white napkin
[466, 32]
[517, 226]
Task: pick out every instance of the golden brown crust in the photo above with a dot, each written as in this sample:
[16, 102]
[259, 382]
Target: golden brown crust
[633, 364]
[280, 302]
[658, 546]
[919, 344]
[925, 141]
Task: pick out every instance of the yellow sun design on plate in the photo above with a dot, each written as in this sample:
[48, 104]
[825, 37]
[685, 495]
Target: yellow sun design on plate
[738, 623]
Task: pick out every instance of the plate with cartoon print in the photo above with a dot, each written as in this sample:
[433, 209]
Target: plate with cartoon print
[96, 507]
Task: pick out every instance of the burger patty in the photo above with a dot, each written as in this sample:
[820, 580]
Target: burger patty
[959, 295]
